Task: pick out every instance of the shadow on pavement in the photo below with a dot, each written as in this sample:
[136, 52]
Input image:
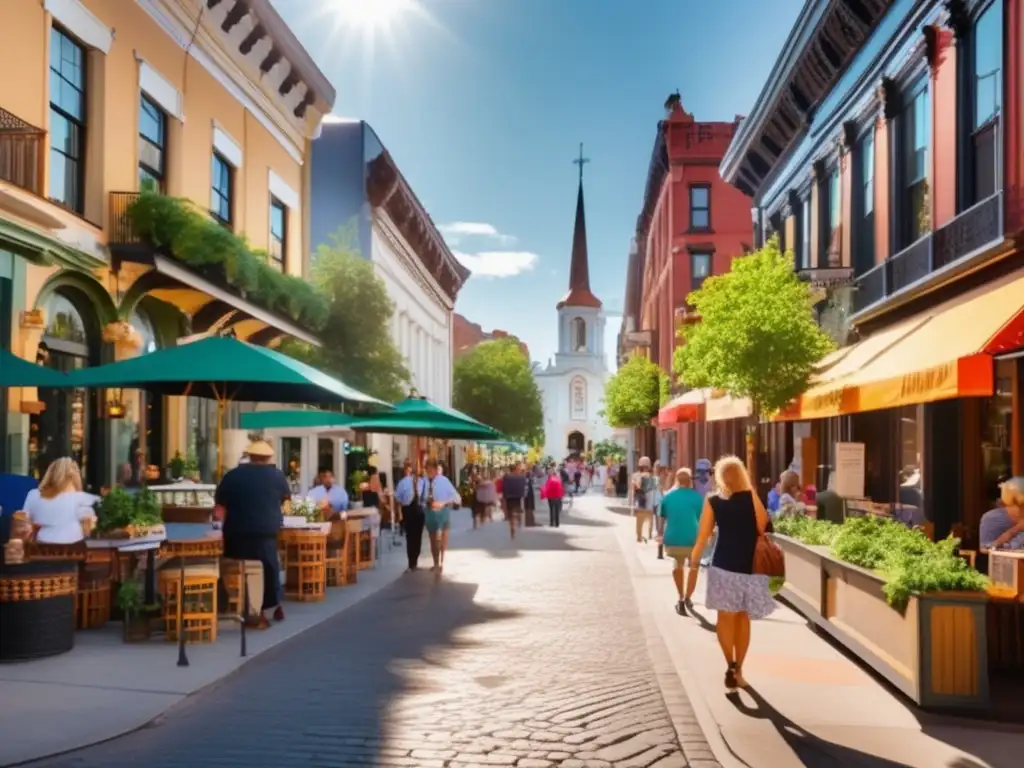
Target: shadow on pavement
[322, 698]
[811, 750]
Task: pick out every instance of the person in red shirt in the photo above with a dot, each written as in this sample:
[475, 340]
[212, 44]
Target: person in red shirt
[553, 491]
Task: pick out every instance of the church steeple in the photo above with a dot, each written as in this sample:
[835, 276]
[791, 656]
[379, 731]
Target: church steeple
[579, 294]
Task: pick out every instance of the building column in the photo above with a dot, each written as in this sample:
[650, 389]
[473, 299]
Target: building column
[942, 64]
[885, 135]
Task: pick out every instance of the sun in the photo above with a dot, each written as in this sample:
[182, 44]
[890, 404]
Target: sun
[373, 15]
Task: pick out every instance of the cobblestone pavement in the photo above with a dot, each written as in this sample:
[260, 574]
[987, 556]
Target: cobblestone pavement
[525, 654]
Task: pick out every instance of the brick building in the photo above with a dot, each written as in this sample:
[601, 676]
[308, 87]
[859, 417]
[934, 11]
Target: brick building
[692, 224]
[466, 335]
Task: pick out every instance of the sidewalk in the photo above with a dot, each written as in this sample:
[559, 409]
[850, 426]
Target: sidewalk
[105, 687]
[809, 704]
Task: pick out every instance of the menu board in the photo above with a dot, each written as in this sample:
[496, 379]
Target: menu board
[849, 471]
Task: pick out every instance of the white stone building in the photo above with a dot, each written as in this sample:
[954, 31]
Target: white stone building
[572, 385]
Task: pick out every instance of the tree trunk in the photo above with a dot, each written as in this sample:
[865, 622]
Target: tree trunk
[753, 449]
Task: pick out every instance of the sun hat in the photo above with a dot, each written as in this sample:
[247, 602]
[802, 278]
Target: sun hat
[260, 448]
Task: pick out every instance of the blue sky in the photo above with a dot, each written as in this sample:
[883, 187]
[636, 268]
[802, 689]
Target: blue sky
[483, 104]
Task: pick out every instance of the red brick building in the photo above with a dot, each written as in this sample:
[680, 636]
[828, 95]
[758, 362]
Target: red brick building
[692, 225]
[466, 335]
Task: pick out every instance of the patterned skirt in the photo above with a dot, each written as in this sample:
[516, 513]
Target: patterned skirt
[739, 593]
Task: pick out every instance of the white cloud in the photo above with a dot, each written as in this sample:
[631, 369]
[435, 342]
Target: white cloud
[498, 263]
[458, 230]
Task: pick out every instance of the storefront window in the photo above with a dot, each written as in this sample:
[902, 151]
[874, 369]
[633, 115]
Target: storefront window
[129, 463]
[63, 427]
[291, 461]
[996, 432]
[911, 436]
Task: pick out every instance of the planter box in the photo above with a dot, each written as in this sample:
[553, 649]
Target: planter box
[934, 651]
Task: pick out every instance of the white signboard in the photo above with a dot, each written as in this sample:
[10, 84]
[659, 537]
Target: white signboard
[849, 471]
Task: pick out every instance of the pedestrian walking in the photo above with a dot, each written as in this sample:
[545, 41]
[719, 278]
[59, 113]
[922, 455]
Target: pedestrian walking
[513, 491]
[680, 511]
[251, 496]
[661, 485]
[553, 491]
[530, 500]
[704, 484]
[413, 519]
[439, 496]
[734, 590]
[486, 497]
[643, 485]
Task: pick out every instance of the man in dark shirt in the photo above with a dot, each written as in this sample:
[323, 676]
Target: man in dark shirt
[513, 491]
[251, 496]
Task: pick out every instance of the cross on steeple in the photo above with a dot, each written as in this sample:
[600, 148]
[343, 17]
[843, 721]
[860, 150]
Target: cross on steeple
[581, 161]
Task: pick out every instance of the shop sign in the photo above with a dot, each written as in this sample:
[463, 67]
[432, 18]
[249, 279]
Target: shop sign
[923, 383]
[849, 472]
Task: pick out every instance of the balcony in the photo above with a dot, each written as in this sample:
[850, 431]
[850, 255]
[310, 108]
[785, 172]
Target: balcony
[945, 252]
[21, 153]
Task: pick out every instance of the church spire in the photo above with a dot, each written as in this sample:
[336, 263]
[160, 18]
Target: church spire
[579, 294]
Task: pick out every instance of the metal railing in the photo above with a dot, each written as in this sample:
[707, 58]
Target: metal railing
[970, 233]
[21, 153]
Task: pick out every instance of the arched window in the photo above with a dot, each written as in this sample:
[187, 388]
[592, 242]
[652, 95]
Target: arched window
[579, 334]
[140, 321]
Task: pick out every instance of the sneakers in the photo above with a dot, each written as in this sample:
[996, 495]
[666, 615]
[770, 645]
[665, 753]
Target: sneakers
[681, 607]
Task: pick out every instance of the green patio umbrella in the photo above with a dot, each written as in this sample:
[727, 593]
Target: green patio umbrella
[226, 370]
[418, 416]
[18, 372]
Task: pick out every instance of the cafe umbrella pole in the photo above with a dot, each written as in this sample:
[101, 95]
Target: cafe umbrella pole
[182, 656]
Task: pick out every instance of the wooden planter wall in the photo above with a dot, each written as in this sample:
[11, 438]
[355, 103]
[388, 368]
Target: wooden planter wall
[934, 651]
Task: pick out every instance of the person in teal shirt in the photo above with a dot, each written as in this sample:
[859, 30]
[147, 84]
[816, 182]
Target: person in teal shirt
[681, 508]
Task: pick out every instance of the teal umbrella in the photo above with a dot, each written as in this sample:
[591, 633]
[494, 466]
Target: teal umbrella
[418, 416]
[293, 419]
[18, 372]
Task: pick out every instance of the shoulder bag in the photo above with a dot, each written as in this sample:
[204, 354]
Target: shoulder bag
[768, 558]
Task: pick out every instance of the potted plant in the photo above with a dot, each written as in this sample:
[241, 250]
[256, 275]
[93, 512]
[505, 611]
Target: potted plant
[114, 513]
[130, 601]
[358, 481]
[147, 514]
[176, 467]
[192, 467]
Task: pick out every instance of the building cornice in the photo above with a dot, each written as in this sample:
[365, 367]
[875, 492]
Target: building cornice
[410, 261]
[387, 189]
[271, 94]
[824, 40]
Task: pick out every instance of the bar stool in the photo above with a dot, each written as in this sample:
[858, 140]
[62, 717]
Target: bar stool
[198, 617]
[305, 563]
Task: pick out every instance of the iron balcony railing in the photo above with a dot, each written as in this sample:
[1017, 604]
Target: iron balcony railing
[21, 153]
[971, 233]
[120, 229]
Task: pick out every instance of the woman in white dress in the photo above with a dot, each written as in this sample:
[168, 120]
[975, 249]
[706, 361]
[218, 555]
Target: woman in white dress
[60, 505]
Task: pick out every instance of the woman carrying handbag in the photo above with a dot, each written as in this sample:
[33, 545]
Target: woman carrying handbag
[737, 587]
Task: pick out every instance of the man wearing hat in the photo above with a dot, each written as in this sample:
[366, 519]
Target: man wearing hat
[251, 496]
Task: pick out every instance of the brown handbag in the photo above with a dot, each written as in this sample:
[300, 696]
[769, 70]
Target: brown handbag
[768, 558]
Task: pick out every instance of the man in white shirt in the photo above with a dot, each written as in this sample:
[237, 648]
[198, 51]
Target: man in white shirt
[327, 491]
[438, 496]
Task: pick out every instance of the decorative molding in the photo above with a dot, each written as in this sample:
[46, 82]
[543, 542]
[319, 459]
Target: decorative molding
[937, 41]
[82, 23]
[889, 97]
[227, 146]
[280, 189]
[241, 88]
[410, 261]
[160, 89]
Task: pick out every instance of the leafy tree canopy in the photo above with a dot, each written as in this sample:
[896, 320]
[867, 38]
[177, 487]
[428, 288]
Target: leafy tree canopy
[633, 395]
[608, 449]
[757, 337]
[493, 383]
[357, 345]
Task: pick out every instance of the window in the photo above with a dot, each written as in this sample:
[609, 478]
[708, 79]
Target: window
[579, 335]
[803, 237]
[152, 144]
[278, 231]
[864, 234]
[67, 121]
[914, 205]
[700, 269]
[220, 199]
[700, 206]
[777, 227]
[830, 211]
[986, 84]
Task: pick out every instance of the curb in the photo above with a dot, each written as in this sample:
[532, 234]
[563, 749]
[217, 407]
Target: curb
[668, 673]
[187, 698]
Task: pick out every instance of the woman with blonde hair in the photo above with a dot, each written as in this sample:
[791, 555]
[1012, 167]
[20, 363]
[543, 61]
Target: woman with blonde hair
[60, 505]
[734, 591]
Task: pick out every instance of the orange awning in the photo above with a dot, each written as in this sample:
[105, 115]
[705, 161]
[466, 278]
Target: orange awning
[686, 407]
[940, 354]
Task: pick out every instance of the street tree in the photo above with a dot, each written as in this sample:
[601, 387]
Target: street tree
[608, 449]
[357, 346]
[493, 383]
[757, 337]
[634, 393]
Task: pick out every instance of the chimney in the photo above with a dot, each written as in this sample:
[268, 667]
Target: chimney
[675, 101]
